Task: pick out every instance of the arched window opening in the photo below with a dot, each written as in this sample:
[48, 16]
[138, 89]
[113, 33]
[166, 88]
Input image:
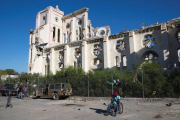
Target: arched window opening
[97, 49]
[31, 57]
[178, 52]
[61, 65]
[54, 31]
[58, 35]
[77, 53]
[124, 59]
[61, 55]
[117, 61]
[178, 36]
[76, 34]
[79, 33]
[89, 28]
[65, 38]
[97, 61]
[150, 55]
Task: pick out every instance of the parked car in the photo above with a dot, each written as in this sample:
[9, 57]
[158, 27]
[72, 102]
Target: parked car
[2, 86]
[54, 91]
[7, 88]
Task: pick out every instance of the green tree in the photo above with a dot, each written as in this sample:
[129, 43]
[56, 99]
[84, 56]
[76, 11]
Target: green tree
[3, 72]
[11, 72]
[154, 79]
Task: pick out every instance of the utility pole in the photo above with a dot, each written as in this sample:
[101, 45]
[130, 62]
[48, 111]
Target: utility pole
[112, 82]
[88, 85]
[142, 84]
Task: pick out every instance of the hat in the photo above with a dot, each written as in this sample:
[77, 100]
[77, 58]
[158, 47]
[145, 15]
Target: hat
[115, 93]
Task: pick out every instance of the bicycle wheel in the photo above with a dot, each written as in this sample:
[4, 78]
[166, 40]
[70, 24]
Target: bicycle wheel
[120, 108]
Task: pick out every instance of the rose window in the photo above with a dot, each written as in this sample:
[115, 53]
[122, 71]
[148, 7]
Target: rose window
[149, 41]
[77, 52]
[120, 46]
[97, 49]
[102, 32]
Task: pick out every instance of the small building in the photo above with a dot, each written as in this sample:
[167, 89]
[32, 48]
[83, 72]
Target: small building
[4, 77]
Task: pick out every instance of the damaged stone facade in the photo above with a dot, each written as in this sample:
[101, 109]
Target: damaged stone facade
[59, 41]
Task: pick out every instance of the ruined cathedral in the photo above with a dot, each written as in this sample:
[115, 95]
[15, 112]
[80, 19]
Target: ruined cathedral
[59, 41]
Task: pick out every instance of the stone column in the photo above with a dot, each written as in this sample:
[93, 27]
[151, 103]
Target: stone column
[73, 32]
[85, 27]
[30, 50]
[132, 57]
[84, 56]
[52, 61]
[106, 52]
[66, 56]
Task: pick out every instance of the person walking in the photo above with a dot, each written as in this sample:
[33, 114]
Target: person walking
[25, 91]
[20, 91]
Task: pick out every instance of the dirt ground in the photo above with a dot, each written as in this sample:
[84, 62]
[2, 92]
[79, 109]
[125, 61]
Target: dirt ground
[81, 108]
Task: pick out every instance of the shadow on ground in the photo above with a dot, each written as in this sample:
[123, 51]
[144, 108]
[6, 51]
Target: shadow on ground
[64, 98]
[99, 111]
[78, 105]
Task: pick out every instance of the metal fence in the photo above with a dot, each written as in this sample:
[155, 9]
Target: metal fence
[146, 83]
[82, 85]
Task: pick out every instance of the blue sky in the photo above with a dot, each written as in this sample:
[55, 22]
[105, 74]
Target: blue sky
[17, 17]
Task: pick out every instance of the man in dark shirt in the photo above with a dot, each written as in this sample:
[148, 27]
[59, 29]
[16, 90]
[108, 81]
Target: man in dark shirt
[20, 92]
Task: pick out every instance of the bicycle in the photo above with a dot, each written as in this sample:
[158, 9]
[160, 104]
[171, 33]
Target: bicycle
[119, 108]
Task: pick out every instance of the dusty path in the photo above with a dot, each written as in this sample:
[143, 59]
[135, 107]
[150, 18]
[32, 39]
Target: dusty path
[78, 108]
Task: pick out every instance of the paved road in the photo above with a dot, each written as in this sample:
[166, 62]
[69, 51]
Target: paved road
[78, 108]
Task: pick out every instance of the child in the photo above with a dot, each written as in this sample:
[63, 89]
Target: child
[9, 101]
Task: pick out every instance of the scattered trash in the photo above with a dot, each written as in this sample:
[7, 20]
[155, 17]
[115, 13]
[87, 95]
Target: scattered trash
[44, 110]
[158, 116]
[79, 109]
[137, 103]
[169, 104]
[104, 103]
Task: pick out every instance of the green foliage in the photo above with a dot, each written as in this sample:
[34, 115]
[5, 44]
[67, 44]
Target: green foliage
[3, 72]
[11, 72]
[156, 81]
[153, 78]
[176, 85]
